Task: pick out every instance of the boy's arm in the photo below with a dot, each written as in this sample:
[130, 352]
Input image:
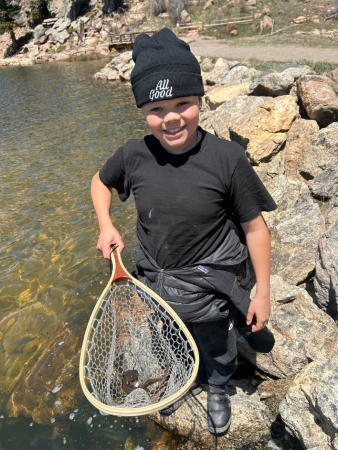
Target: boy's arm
[102, 198]
[259, 246]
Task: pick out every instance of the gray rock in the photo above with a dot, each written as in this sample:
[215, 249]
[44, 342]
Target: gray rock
[219, 71]
[326, 277]
[273, 84]
[295, 228]
[325, 185]
[319, 95]
[239, 74]
[294, 318]
[310, 408]
[331, 212]
[64, 25]
[250, 423]
[63, 9]
[322, 154]
[39, 31]
[61, 37]
[279, 83]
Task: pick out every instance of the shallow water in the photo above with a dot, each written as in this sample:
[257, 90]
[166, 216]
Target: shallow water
[57, 129]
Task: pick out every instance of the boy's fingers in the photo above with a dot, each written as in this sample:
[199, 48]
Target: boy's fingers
[249, 318]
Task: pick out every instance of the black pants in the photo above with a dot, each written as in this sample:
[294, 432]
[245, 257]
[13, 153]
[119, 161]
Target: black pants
[216, 343]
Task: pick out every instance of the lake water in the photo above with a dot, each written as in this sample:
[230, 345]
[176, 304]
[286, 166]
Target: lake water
[57, 128]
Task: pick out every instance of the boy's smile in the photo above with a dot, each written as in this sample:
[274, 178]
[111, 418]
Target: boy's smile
[174, 122]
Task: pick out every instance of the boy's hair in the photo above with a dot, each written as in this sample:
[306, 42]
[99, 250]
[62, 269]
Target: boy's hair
[165, 68]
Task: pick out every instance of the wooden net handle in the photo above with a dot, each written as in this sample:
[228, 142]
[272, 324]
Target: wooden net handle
[120, 273]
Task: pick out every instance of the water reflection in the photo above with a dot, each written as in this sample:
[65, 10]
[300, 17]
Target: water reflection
[57, 129]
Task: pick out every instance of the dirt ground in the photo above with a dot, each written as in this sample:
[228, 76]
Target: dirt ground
[217, 48]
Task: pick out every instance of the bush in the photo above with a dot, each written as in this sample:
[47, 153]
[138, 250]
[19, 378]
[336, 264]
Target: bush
[158, 7]
[175, 8]
[60, 48]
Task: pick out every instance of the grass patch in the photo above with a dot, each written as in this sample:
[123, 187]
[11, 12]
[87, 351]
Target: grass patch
[263, 65]
[319, 67]
[60, 49]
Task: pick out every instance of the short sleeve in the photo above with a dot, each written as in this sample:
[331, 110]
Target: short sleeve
[248, 195]
[113, 174]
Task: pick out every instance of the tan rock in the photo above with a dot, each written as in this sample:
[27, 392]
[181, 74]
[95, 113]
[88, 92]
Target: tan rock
[295, 228]
[250, 419]
[333, 75]
[233, 33]
[207, 65]
[309, 409]
[319, 95]
[300, 19]
[262, 131]
[266, 10]
[293, 318]
[220, 94]
[257, 16]
[300, 136]
[267, 23]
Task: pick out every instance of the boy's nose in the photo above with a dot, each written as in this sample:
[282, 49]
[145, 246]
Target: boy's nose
[171, 116]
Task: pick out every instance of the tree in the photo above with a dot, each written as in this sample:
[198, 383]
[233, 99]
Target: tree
[8, 11]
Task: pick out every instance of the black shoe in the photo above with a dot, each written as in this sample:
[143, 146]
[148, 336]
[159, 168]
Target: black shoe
[219, 412]
[195, 390]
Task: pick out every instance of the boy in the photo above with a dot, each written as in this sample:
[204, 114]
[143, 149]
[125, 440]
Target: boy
[190, 190]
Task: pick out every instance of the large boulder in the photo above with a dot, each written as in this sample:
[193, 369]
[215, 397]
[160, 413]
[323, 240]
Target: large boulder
[230, 72]
[219, 121]
[272, 84]
[295, 228]
[319, 95]
[216, 96]
[294, 318]
[279, 83]
[63, 9]
[250, 423]
[39, 31]
[309, 410]
[323, 152]
[326, 277]
[300, 136]
[333, 75]
[262, 131]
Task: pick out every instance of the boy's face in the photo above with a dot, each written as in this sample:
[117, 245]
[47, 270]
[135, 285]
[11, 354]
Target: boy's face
[174, 122]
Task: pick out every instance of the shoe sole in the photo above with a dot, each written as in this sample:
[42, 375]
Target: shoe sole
[213, 430]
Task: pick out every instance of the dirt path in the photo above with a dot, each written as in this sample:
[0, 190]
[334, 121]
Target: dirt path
[217, 49]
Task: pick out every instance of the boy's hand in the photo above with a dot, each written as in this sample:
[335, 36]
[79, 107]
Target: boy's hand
[109, 236]
[259, 307]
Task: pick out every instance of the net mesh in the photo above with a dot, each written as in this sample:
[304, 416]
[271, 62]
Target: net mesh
[137, 354]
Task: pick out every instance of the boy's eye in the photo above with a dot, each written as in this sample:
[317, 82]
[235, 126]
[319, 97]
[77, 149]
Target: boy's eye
[156, 109]
[182, 103]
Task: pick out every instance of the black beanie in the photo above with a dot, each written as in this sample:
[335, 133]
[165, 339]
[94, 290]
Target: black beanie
[164, 68]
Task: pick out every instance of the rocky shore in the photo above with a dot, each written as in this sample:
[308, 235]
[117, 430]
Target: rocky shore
[287, 120]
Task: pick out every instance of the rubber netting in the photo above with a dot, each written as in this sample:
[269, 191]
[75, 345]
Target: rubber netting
[137, 354]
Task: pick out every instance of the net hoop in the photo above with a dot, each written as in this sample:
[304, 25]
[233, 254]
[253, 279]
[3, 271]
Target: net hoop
[112, 410]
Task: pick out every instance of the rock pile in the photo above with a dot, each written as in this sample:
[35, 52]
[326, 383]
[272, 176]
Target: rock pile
[287, 121]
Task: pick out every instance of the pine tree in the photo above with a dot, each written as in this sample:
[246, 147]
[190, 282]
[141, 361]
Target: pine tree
[8, 11]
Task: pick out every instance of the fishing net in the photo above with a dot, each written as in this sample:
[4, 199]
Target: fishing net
[137, 354]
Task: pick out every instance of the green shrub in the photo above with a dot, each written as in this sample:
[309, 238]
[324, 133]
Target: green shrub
[60, 48]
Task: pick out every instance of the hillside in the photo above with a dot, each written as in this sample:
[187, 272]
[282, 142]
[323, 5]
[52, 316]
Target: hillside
[66, 29]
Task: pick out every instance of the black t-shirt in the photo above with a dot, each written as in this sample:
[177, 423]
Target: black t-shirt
[184, 202]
